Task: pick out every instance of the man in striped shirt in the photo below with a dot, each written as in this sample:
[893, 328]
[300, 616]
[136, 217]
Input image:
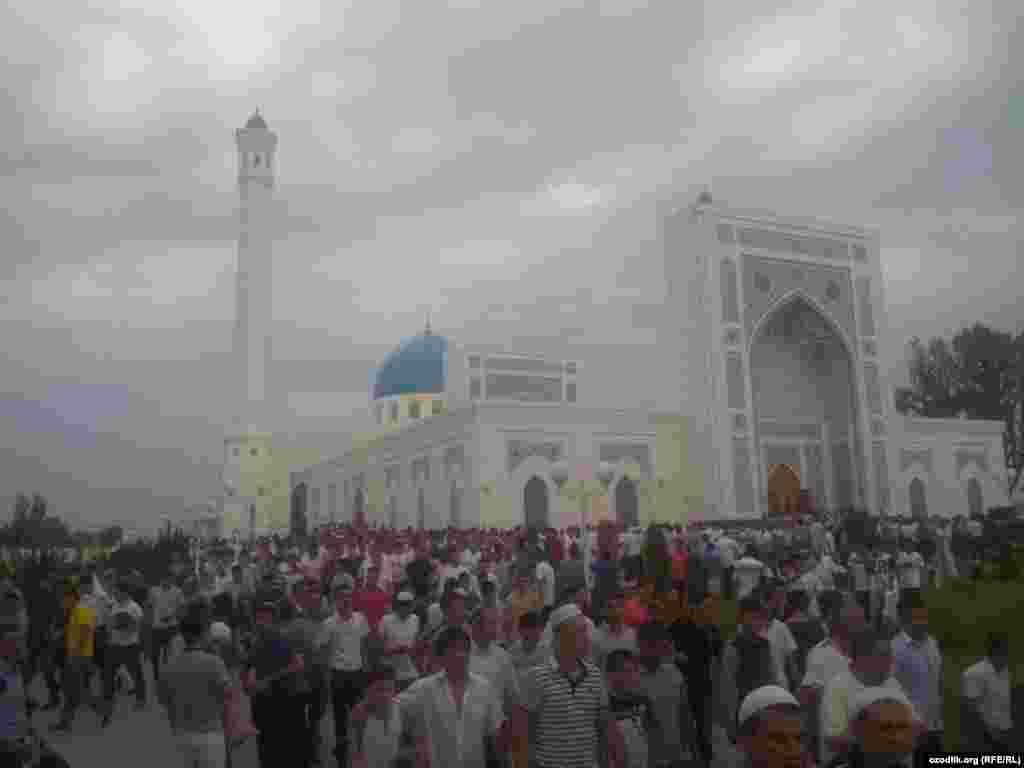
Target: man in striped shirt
[567, 702]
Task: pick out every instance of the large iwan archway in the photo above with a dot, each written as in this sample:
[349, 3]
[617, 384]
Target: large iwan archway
[804, 400]
[627, 503]
[535, 503]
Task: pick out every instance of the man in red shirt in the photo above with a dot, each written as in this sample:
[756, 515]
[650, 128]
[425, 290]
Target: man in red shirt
[372, 601]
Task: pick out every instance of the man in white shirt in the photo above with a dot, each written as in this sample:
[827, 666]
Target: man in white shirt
[825, 661]
[871, 665]
[399, 630]
[345, 637]
[456, 711]
[986, 687]
[124, 649]
[491, 661]
[545, 576]
[166, 602]
[780, 637]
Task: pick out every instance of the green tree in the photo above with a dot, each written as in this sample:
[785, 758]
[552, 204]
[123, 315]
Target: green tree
[979, 374]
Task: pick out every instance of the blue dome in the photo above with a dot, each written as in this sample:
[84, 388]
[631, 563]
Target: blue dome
[416, 367]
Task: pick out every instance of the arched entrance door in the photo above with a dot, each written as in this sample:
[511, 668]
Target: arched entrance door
[299, 522]
[802, 384]
[421, 511]
[359, 508]
[535, 503]
[783, 490]
[455, 507]
[975, 502]
[918, 499]
[627, 504]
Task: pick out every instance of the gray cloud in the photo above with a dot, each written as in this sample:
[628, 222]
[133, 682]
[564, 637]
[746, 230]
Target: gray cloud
[500, 165]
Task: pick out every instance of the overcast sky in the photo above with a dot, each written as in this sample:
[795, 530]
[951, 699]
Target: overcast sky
[471, 159]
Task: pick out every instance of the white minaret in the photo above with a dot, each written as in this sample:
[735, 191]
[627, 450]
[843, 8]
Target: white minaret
[247, 443]
[256, 145]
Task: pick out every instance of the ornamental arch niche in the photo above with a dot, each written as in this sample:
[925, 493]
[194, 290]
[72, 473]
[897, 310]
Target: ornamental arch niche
[804, 399]
[975, 499]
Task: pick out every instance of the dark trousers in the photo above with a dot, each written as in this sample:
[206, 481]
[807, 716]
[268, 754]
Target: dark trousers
[281, 721]
[700, 703]
[863, 597]
[346, 690]
[162, 637]
[930, 741]
[315, 706]
[129, 657]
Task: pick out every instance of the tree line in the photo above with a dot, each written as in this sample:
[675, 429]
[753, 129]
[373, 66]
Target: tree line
[34, 527]
[978, 374]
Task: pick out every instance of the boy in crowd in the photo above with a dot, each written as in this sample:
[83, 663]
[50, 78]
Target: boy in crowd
[630, 708]
[671, 743]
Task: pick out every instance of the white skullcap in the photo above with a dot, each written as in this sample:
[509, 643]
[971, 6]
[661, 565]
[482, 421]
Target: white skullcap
[564, 613]
[762, 698]
[405, 597]
[874, 695]
[220, 631]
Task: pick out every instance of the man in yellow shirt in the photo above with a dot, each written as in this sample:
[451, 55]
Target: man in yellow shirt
[79, 639]
[521, 601]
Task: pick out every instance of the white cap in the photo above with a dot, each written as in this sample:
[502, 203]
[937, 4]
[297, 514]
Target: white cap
[874, 695]
[762, 698]
[405, 597]
[564, 613]
[220, 631]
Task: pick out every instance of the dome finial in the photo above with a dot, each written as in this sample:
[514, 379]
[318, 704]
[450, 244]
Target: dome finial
[426, 330]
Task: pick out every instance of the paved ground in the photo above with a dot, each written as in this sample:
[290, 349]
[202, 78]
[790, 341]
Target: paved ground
[133, 739]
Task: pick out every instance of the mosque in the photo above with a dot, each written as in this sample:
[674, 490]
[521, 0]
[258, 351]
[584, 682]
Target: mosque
[765, 395]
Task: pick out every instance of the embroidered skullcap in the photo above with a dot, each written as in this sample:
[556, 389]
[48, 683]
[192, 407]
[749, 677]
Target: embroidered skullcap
[763, 698]
[874, 695]
[563, 614]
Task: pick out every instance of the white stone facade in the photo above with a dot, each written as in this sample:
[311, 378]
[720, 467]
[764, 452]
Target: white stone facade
[770, 351]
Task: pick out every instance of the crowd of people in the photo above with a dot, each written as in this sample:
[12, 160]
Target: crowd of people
[519, 648]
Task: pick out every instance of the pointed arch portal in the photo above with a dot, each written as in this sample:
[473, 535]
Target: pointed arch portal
[918, 499]
[627, 503]
[535, 503]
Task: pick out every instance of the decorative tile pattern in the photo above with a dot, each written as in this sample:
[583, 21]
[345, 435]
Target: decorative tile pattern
[734, 382]
[881, 475]
[454, 460]
[766, 280]
[815, 483]
[730, 292]
[783, 243]
[520, 450]
[909, 456]
[865, 306]
[637, 453]
[743, 477]
[841, 469]
[965, 456]
[783, 429]
[873, 387]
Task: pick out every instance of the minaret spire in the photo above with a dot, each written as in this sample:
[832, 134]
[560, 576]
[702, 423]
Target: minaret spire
[427, 331]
